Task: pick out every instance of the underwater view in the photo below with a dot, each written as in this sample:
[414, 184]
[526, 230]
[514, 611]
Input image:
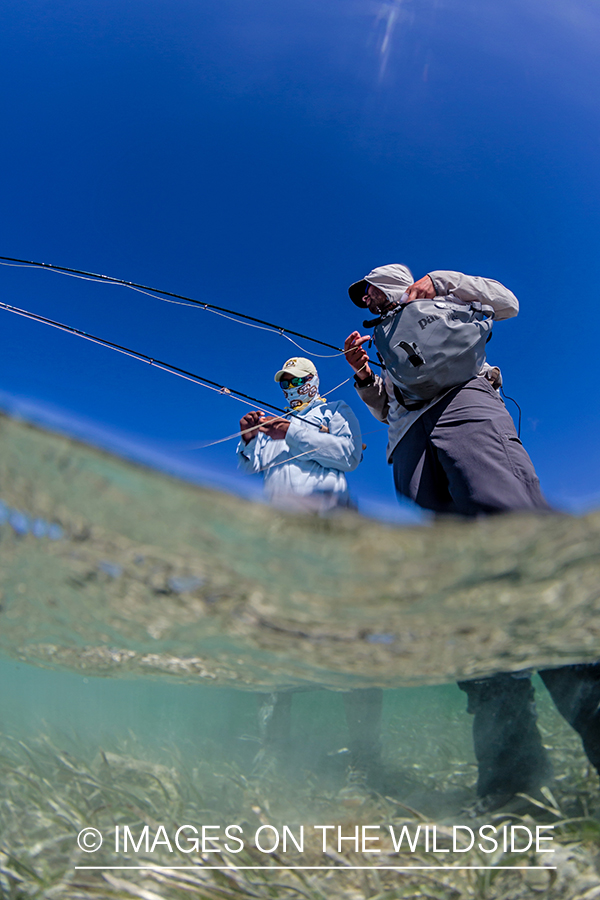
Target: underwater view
[299, 482]
[178, 682]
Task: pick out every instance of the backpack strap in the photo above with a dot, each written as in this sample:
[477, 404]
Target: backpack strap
[410, 405]
[415, 357]
[488, 311]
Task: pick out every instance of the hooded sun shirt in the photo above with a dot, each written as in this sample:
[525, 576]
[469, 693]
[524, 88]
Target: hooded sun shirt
[311, 461]
[393, 280]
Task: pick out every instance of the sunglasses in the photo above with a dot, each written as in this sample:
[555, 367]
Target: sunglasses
[294, 382]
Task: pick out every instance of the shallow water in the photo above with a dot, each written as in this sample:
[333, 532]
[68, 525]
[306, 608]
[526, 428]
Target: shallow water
[140, 616]
[153, 576]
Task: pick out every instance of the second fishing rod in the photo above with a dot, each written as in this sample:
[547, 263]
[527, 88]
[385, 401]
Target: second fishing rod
[155, 363]
[170, 296]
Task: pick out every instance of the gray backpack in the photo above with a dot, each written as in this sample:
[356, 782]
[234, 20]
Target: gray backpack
[428, 346]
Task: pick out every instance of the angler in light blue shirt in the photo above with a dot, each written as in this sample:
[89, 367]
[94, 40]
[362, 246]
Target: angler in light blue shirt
[304, 457]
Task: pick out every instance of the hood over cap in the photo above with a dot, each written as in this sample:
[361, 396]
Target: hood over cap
[393, 280]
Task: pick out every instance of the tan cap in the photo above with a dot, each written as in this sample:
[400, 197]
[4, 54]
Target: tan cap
[296, 366]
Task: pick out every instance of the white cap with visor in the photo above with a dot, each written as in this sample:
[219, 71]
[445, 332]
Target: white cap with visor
[297, 367]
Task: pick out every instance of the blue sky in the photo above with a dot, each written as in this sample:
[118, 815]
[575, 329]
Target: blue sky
[262, 156]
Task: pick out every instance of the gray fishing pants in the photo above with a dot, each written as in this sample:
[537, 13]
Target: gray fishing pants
[508, 746]
[463, 456]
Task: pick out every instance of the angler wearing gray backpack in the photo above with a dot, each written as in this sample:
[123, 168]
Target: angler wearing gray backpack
[452, 443]
[454, 449]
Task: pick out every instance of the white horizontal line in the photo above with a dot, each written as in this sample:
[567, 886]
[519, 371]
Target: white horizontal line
[327, 868]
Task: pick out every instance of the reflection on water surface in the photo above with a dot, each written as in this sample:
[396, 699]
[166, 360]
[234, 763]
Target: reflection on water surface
[155, 576]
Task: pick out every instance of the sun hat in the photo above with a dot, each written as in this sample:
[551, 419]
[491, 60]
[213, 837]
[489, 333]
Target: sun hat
[296, 366]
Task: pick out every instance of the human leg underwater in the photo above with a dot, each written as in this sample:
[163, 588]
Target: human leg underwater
[508, 746]
[463, 457]
[576, 692]
[274, 729]
[362, 707]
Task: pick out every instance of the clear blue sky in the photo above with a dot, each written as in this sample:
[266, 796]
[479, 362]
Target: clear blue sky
[262, 155]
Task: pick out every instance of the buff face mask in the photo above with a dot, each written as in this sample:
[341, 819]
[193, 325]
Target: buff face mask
[305, 393]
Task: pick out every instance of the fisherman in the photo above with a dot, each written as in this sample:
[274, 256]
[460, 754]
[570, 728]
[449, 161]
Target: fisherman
[457, 451]
[303, 458]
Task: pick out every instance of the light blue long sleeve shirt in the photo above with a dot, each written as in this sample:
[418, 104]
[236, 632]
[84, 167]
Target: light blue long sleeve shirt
[309, 460]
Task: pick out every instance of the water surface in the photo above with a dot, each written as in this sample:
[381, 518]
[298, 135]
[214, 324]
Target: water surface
[140, 616]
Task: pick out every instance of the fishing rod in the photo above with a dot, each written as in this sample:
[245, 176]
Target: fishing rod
[157, 363]
[109, 279]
